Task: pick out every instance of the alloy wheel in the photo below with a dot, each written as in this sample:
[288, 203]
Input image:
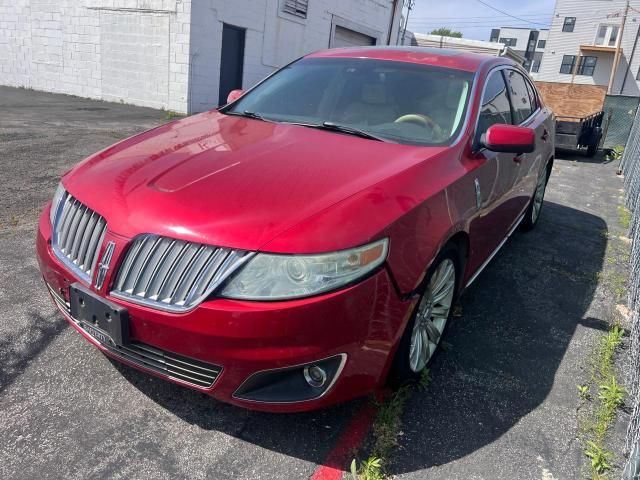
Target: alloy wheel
[538, 198]
[431, 317]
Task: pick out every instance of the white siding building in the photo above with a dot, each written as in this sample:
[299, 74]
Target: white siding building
[581, 45]
[527, 42]
[181, 55]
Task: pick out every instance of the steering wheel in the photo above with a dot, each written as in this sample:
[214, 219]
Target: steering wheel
[418, 119]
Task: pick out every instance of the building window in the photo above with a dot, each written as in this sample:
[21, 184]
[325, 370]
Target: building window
[296, 7]
[607, 35]
[542, 44]
[495, 34]
[569, 24]
[509, 42]
[586, 66]
[535, 66]
[568, 61]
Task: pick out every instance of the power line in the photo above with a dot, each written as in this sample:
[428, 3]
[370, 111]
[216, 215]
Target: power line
[546, 15]
[507, 14]
[493, 24]
[480, 22]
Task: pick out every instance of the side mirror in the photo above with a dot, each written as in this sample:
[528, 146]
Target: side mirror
[234, 95]
[509, 139]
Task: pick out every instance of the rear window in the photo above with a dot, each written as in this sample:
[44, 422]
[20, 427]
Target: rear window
[400, 102]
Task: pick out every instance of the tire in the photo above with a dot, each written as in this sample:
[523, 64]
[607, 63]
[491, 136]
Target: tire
[532, 214]
[405, 369]
[592, 150]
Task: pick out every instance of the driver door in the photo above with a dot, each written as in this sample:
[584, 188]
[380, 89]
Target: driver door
[496, 174]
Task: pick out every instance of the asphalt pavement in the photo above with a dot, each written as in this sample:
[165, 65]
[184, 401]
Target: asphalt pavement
[502, 403]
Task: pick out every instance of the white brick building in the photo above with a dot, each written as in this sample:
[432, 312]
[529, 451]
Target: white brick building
[581, 45]
[170, 53]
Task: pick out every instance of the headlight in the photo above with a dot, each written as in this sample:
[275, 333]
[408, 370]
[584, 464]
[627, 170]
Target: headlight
[280, 277]
[55, 203]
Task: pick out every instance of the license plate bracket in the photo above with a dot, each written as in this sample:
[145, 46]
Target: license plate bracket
[103, 320]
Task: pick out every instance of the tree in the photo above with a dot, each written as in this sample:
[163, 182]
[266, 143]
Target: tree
[446, 32]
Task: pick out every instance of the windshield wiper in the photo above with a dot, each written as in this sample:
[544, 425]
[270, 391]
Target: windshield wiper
[336, 127]
[246, 113]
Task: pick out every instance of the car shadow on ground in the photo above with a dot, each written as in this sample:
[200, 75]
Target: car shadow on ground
[517, 322]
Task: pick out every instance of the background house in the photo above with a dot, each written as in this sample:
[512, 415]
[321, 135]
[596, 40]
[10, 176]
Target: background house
[182, 55]
[526, 42]
[580, 50]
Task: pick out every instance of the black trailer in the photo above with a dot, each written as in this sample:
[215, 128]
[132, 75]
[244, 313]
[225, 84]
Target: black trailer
[582, 133]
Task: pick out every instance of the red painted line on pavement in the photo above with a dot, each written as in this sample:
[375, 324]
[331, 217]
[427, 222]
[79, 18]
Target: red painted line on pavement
[340, 456]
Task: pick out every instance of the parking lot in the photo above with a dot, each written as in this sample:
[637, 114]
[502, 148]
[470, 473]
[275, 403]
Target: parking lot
[502, 403]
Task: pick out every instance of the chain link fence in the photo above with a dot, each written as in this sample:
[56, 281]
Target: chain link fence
[620, 111]
[630, 166]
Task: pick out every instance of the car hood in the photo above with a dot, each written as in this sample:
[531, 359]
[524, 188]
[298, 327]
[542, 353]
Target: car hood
[231, 181]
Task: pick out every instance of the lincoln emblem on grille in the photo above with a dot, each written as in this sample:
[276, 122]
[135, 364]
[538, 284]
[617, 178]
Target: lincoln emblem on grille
[103, 266]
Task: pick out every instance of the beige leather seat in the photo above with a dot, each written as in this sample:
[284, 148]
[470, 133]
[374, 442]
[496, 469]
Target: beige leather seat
[373, 108]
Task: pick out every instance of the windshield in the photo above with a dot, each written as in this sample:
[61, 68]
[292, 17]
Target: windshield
[394, 101]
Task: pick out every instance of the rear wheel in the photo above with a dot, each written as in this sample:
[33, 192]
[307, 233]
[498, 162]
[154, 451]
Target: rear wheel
[427, 325]
[533, 212]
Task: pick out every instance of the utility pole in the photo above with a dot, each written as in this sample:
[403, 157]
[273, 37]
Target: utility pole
[616, 58]
[394, 7]
[410, 4]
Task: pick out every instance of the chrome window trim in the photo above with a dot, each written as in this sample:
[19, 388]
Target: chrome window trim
[528, 120]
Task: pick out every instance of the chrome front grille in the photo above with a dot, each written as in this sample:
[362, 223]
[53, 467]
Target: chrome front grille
[78, 232]
[173, 275]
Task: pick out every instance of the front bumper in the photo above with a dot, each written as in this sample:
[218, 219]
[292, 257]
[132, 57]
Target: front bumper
[361, 324]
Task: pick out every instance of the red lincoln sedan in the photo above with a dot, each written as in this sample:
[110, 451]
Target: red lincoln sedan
[303, 244]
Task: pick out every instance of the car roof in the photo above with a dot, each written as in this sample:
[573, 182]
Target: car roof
[440, 57]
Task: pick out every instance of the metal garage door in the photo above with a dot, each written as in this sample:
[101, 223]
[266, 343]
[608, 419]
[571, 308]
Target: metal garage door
[344, 37]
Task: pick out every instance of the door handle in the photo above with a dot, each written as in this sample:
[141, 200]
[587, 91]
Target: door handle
[545, 135]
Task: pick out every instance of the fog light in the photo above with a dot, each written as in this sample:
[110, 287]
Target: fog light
[315, 376]
[286, 385]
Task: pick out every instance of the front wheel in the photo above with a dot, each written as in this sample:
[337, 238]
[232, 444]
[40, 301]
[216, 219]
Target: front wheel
[533, 212]
[426, 327]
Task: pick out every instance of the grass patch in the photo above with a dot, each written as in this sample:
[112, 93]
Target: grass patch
[170, 115]
[624, 215]
[604, 406]
[385, 432]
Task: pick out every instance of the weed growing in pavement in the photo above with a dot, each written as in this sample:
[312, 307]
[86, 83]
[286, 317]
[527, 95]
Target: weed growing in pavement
[583, 391]
[370, 469]
[610, 397]
[615, 153]
[599, 459]
[385, 430]
[425, 379]
[170, 115]
[612, 394]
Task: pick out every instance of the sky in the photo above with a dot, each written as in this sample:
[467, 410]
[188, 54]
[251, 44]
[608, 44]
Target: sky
[476, 20]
